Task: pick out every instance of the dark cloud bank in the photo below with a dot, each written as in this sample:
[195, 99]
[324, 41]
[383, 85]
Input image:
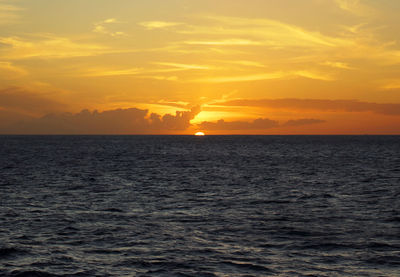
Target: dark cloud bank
[121, 121]
[130, 121]
[318, 105]
[19, 110]
[258, 124]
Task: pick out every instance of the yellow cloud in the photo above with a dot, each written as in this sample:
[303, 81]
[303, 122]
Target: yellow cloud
[145, 73]
[9, 13]
[151, 25]
[268, 32]
[245, 63]
[391, 84]
[313, 75]
[102, 28]
[267, 76]
[243, 78]
[10, 72]
[98, 72]
[225, 42]
[355, 7]
[48, 47]
[340, 65]
[185, 66]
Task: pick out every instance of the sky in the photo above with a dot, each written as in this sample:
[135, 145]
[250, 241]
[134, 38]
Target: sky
[182, 66]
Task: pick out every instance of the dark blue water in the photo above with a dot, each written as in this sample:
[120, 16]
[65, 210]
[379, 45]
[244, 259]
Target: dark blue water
[199, 206]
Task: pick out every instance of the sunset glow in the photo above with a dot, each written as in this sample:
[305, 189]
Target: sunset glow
[200, 134]
[176, 66]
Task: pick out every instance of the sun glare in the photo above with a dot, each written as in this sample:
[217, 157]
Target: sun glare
[200, 134]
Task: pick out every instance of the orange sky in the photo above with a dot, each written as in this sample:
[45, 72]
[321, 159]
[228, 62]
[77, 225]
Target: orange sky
[181, 66]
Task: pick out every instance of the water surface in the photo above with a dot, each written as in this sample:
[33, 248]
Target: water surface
[199, 206]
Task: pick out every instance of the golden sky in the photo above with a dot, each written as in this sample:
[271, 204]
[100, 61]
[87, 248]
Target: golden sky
[218, 66]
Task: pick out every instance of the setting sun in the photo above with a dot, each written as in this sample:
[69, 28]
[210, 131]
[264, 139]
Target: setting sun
[200, 134]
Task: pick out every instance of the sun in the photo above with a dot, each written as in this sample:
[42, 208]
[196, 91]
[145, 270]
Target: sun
[200, 134]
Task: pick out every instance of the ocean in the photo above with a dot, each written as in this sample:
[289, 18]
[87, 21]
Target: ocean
[199, 206]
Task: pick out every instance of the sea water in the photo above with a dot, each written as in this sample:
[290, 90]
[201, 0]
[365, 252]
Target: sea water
[199, 206]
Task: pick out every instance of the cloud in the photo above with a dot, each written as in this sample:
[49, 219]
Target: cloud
[17, 99]
[242, 78]
[355, 7]
[48, 46]
[185, 66]
[9, 13]
[267, 32]
[98, 72]
[9, 118]
[313, 75]
[178, 122]
[244, 63]
[391, 84]
[10, 72]
[145, 73]
[317, 105]
[258, 124]
[102, 27]
[229, 42]
[301, 122]
[120, 121]
[151, 25]
[267, 76]
[340, 65]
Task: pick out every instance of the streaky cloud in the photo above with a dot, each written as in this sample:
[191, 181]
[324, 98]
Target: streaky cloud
[228, 42]
[9, 13]
[26, 102]
[317, 105]
[301, 122]
[151, 25]
[257, 124]
[267, 76]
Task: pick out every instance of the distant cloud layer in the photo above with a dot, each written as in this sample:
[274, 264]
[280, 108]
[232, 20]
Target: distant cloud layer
[20, 100]
[258, 124]
[318, 105]
[27, 112]
[120, 121]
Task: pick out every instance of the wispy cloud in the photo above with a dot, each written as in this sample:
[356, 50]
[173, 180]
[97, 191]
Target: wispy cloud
[340, 65]
[268, 33]
[102, 27]
[243, 63]
[228, 42]
[257, 124]
[242, 78]
[356, 7]
[313, 75]
[317, 105]
[103, 72]
[151, 25]
[49, 46]
[144, 72]
[390, 84]
[266, 76]
[9, 12]
[10, 71]
[185, 66]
